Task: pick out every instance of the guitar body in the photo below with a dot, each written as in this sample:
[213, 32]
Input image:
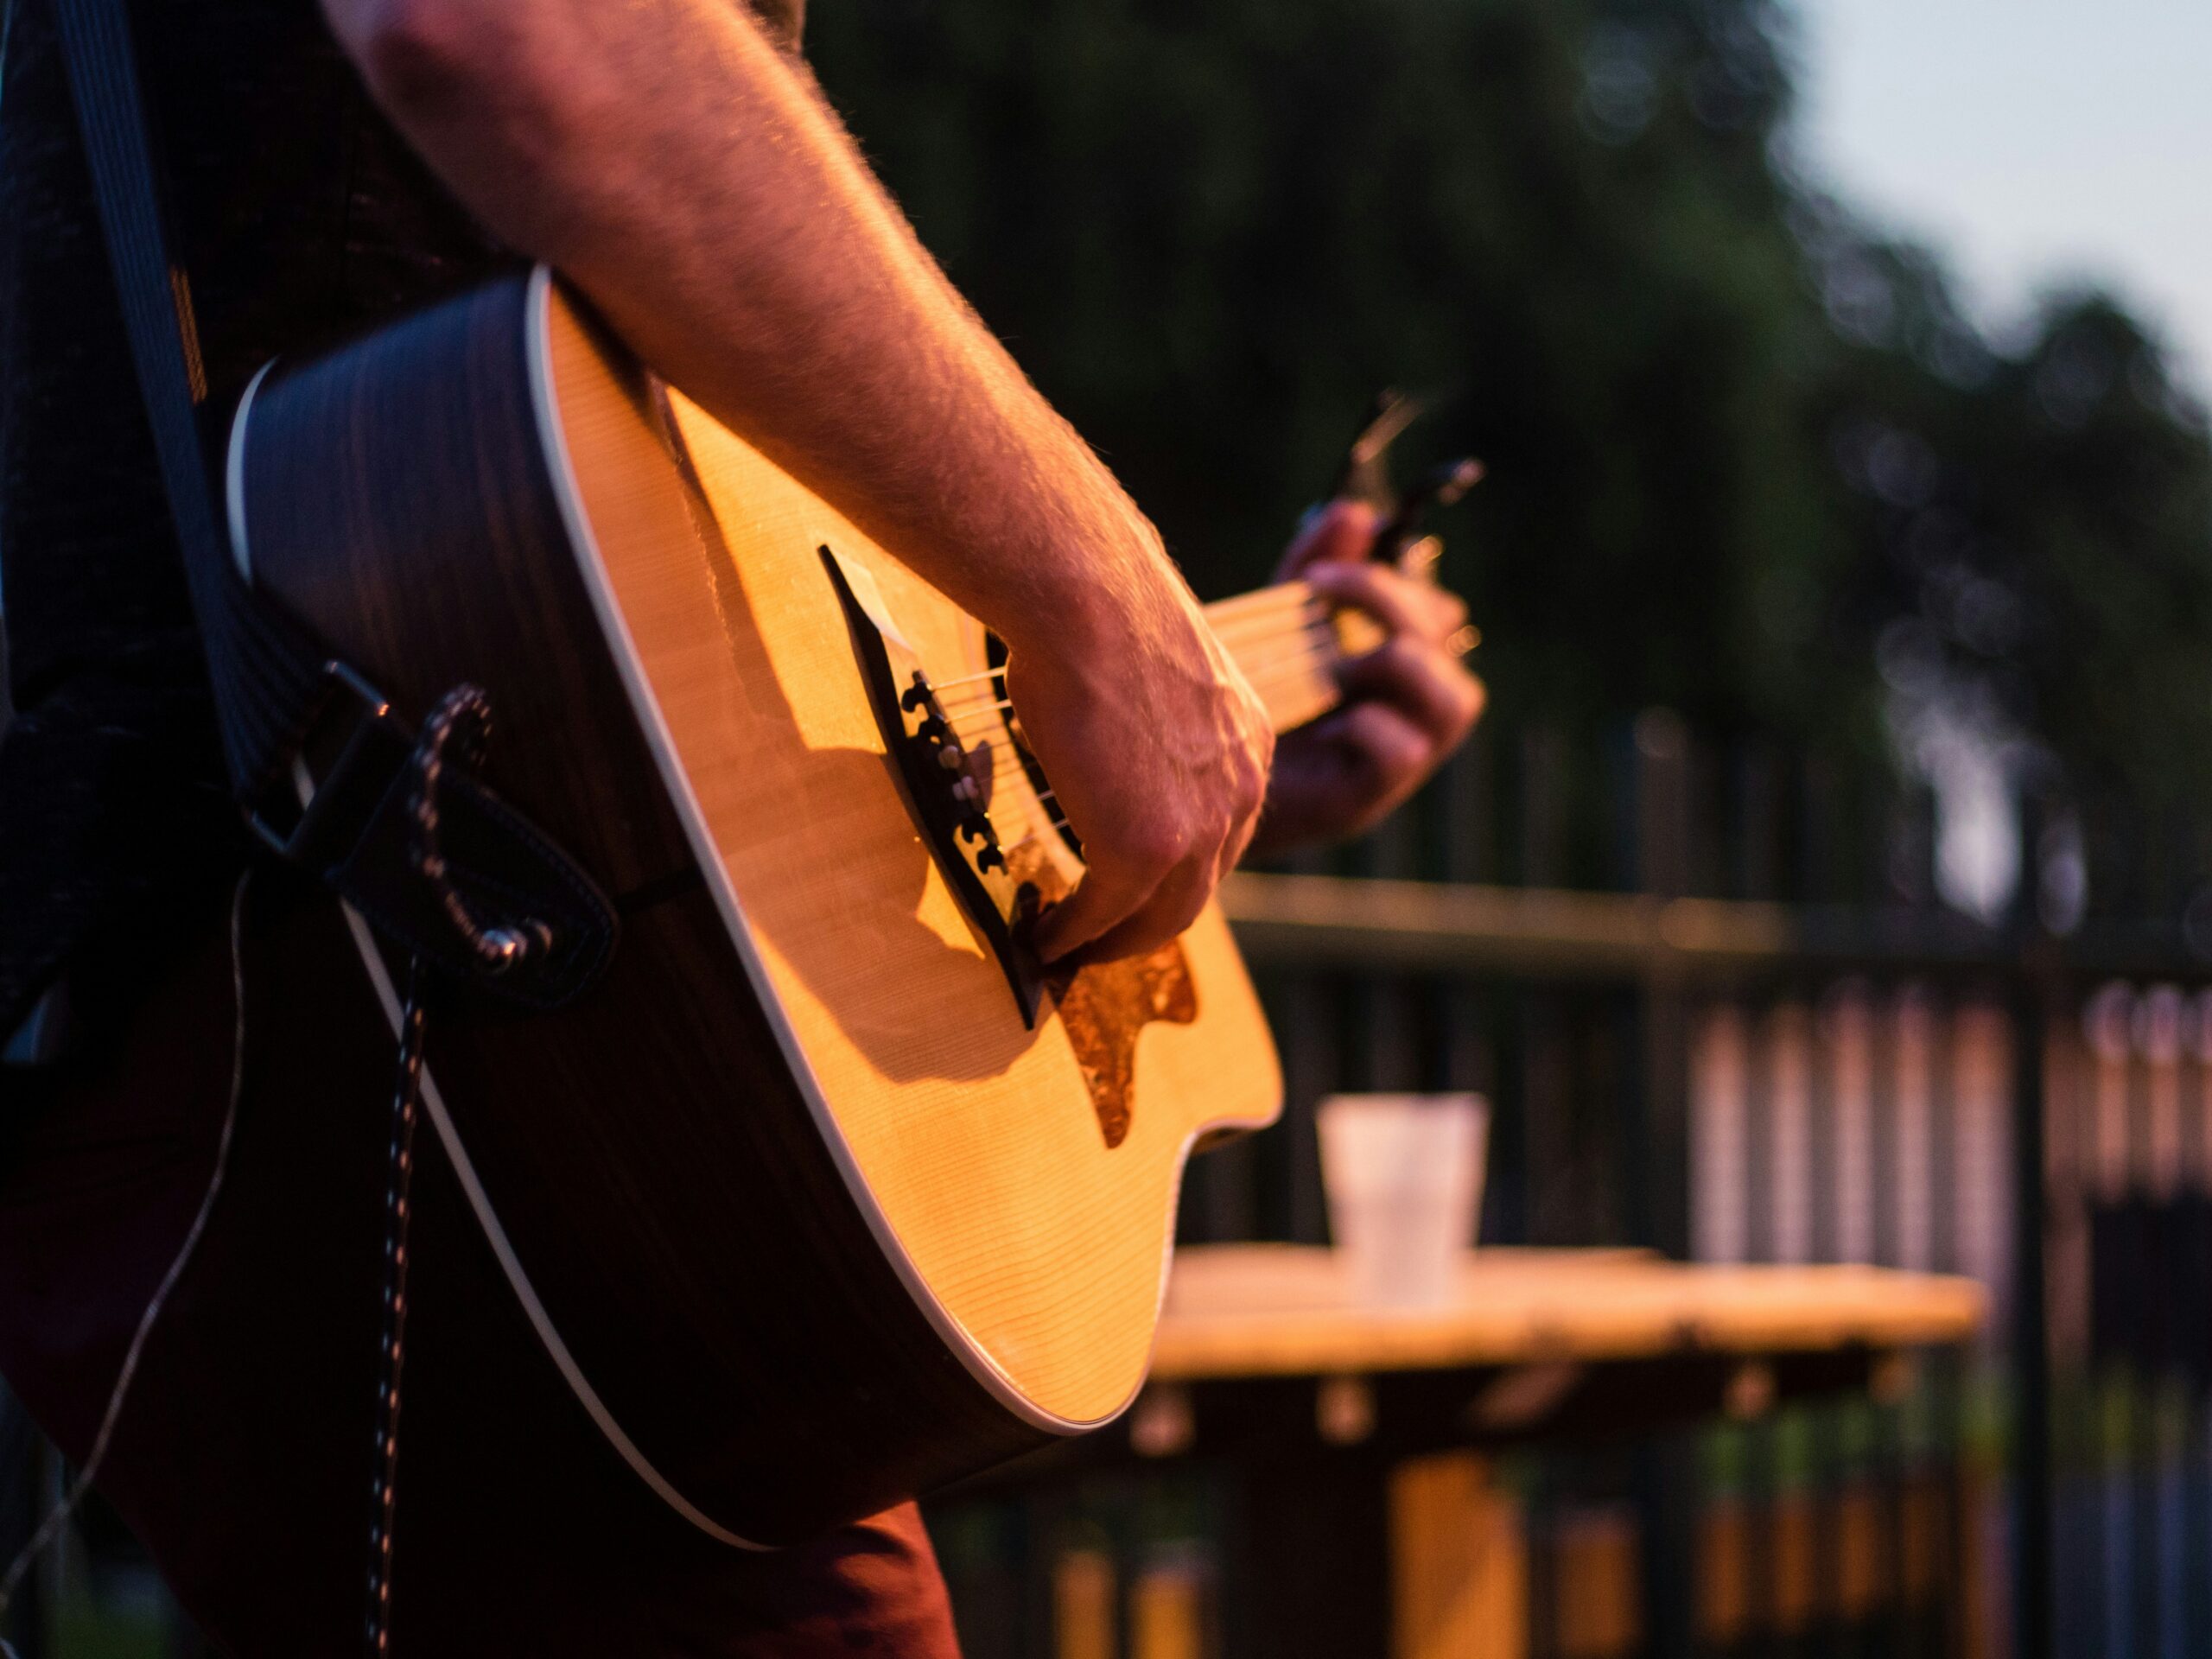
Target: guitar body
[814, 1213]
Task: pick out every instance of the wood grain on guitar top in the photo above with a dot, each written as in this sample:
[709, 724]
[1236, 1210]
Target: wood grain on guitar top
[977, 1139]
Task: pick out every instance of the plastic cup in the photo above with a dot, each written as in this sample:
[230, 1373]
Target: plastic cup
[1404, 1178]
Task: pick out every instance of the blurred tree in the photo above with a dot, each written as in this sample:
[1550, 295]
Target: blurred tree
[1745, 459]
[2034, 536]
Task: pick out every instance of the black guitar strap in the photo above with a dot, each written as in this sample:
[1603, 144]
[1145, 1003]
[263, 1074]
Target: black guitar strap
[269, 683]
[503, 906]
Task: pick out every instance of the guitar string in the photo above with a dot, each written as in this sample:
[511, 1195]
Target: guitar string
[1007, 764]
[1246, 621]
[1242, 612]
[1239, 629]
[1264, 611]
[1255, 663]
[1253, 604]
[1252, 656]
[979, 718]
[1313, 607]
[1279, 678]
[979, 714]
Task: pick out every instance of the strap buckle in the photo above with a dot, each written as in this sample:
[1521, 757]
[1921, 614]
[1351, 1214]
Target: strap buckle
[367, 744]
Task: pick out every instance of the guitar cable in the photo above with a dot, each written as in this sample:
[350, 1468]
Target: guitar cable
[461, 723]
[391, 1352]
[73, 1494]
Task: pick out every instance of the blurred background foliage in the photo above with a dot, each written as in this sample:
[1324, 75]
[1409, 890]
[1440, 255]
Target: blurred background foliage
[1748, 458]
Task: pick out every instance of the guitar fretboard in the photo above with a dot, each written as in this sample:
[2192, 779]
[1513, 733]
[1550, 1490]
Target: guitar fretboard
[1289, 641]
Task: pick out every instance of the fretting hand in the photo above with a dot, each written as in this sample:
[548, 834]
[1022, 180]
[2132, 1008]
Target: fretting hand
[1407, 704]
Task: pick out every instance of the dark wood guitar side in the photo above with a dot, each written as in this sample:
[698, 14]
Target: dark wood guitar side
[685, 1228]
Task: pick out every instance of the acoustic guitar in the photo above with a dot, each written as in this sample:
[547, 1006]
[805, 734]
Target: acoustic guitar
[826, 1194]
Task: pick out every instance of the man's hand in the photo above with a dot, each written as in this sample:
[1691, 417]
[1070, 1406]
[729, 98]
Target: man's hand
[1407, 704]
[1158, 752]
[685, 174]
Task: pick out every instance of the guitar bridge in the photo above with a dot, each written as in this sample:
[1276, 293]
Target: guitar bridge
[947, 783]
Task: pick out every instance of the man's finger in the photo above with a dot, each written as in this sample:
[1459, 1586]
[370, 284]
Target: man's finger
[1390, 753]
[1103, 899]
[1240, 839]
[1171, 907]
[1335, 533]
[1402, 605]
[1425, 683]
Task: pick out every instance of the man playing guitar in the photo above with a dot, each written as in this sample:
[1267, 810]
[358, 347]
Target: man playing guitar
[674, 160]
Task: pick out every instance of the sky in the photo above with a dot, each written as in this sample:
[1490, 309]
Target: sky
[2030, 141]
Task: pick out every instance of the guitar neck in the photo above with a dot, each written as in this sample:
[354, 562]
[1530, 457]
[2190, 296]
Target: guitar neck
[1289, 641]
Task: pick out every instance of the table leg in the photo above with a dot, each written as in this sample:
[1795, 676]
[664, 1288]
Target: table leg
[1459, 1562]
[1346, 1558]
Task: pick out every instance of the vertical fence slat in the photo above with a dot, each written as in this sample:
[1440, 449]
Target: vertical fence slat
[1851, 1147]
[1789, 1138]
[1720, 1181]
[2033, 1591]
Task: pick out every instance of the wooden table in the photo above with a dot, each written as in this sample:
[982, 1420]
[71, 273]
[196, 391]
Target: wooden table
[1332, 1416]
[1278, 1310]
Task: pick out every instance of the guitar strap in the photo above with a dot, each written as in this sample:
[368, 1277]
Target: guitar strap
[502, 907]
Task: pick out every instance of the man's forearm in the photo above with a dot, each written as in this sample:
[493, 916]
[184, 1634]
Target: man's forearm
[682, 172]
